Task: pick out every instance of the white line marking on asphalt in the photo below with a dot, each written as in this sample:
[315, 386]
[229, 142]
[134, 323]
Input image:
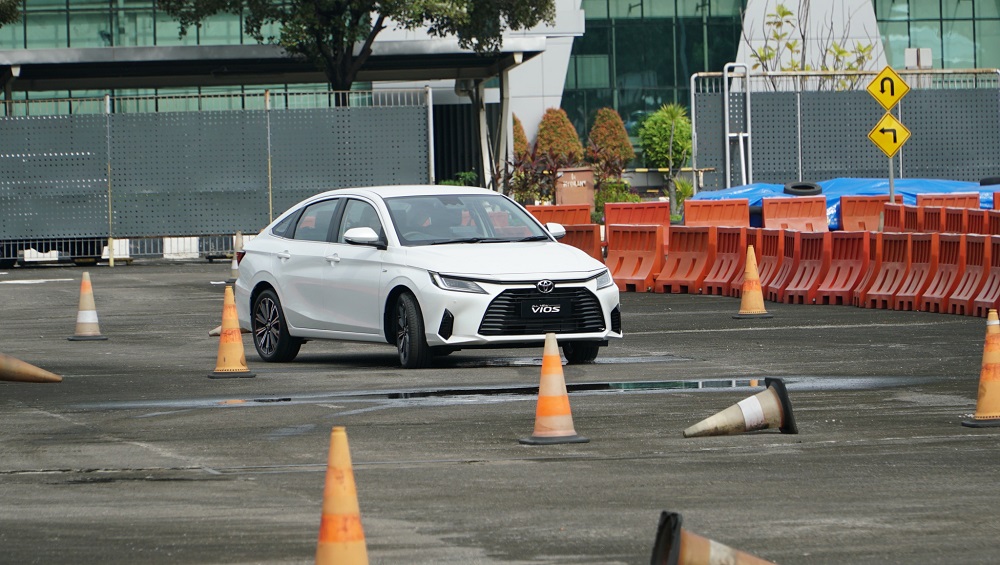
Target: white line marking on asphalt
[34, 281]
[780, 328]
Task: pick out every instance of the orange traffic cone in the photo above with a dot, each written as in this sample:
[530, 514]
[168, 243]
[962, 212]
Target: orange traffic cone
[752, 300]
[87, 328]
[768, 409]
[341, 537]
[16, 370]
[676, 546]
[553, 420]
[231, 362]
[988, 406]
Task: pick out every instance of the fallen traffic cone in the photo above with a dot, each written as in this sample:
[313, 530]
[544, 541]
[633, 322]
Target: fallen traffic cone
[341, 537]
[676, 546]
[752, 300]
[768, 409]
[553, 420]
[12, 369]
[988, 405]
[87, 327]
[232, 361]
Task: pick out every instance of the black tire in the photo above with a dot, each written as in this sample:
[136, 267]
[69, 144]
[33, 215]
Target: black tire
[411, 343]
[803, 189]
[989, 181]
[270, 333]
[581, 352]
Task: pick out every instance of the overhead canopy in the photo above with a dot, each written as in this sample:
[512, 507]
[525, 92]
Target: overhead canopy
[228, 65]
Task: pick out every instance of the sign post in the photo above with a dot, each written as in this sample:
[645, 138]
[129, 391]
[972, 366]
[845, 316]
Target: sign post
[889, 134]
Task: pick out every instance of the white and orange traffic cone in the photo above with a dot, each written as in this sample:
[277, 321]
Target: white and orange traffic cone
[752, 299]
[231, 361]
[553, 419]
[341, 537]
[988, 405]
[234, 266]
[768, 409]
[676, 546]
[12, 369]
[87, 327]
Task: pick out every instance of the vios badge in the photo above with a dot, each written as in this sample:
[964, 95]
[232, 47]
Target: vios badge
[545, 286]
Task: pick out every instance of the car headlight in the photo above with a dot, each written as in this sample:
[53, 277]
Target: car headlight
[604, 280]
[456, 284]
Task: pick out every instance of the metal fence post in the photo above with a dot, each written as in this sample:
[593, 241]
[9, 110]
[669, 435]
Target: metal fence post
[111, 239]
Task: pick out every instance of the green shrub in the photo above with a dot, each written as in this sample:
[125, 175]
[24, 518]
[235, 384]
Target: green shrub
[465, 178]
[557, 137]
[608, 136]
[520, 139]
[612, 191]
[666, 138]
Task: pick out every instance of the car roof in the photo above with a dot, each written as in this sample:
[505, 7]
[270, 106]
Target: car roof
[407, 190]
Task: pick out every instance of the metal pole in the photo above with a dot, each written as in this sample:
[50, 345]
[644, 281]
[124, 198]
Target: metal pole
[429, 99]
[892, 196]
[270, 199]
[107, 130]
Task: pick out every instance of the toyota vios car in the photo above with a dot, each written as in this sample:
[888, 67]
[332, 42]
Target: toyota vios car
[429, 269]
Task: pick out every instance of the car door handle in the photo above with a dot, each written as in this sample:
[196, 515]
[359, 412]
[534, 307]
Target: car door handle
[284, 255]
[333, 258]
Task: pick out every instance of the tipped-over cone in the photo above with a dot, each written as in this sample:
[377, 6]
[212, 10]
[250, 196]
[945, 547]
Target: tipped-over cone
[988, 404]
[341, 537]
[553, 419]
[12, 369]
[677, 546]
[768, 409]
[752, 299]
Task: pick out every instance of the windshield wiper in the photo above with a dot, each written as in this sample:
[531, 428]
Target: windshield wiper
[471, 240]
[534, 238]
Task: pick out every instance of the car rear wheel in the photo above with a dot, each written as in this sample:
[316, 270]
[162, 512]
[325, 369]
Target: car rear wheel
[580, 352]
[411, 343]
[270, 333]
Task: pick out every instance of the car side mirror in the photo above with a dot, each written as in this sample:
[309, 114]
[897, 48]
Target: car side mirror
[363, 236]
[557, 230]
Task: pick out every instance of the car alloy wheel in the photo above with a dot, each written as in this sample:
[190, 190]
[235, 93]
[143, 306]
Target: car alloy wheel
[270, 334]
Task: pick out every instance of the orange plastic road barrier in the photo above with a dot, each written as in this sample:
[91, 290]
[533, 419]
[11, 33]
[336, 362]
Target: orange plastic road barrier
[993, 222]
[87, 326]
[775, 290]
[736, 285]
[730, 259]
[848, 264]
[950, 268]
[892, 215]
[646, 213]
[586, 237]
[734, 212]
[768, 409]
[859, 297]
[892, 271]
[635, 255]
[934, 219]
[924, 257]
[989, 297]
[341, 537]
[561, 213]
[553, 419]
[977, 265]
[771, 255]
[803, 213]
[676, 546]
[956, 220]
[861, 213]
[691, 254]
[913, 218]
[977, 221]
[950, 199]
[752, 297]
[988, 403]
[231, 361]
[12, 369]
[813, 264]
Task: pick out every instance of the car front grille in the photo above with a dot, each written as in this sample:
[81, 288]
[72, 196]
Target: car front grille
[503, 317]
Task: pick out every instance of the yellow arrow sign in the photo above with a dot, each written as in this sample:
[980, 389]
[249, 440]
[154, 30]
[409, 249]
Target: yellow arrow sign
[889, 135]
[888, 88]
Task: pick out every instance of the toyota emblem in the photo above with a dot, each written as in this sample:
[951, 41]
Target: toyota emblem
[545, 286]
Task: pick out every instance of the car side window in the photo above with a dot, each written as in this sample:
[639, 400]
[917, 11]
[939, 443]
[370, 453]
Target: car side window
[314, 223]
[358, 214]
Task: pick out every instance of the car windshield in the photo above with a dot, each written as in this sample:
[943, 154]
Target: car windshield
[460, 219]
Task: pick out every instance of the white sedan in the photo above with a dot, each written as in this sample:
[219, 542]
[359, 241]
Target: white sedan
[429, 269]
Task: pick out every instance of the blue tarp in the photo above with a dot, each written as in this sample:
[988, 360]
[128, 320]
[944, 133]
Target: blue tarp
[833, 189]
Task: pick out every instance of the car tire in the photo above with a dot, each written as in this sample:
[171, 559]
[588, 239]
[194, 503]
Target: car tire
[989, 181]
[411, 343]
[581, 352]
[803, 189]
[270, 332]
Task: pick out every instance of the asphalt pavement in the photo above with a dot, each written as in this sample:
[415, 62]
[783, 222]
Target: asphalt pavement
[138, 457]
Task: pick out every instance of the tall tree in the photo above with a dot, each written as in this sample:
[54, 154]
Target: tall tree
[10, 11]
[337, 35]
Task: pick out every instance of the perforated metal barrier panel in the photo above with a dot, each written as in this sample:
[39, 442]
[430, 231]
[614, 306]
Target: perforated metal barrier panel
[194, 173]
[955, 134]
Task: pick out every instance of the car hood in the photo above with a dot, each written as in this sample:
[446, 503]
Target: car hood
[504, 260]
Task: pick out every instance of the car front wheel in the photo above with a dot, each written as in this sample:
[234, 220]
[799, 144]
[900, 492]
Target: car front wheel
[270, 334]
[580, 352]
[410, 340]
